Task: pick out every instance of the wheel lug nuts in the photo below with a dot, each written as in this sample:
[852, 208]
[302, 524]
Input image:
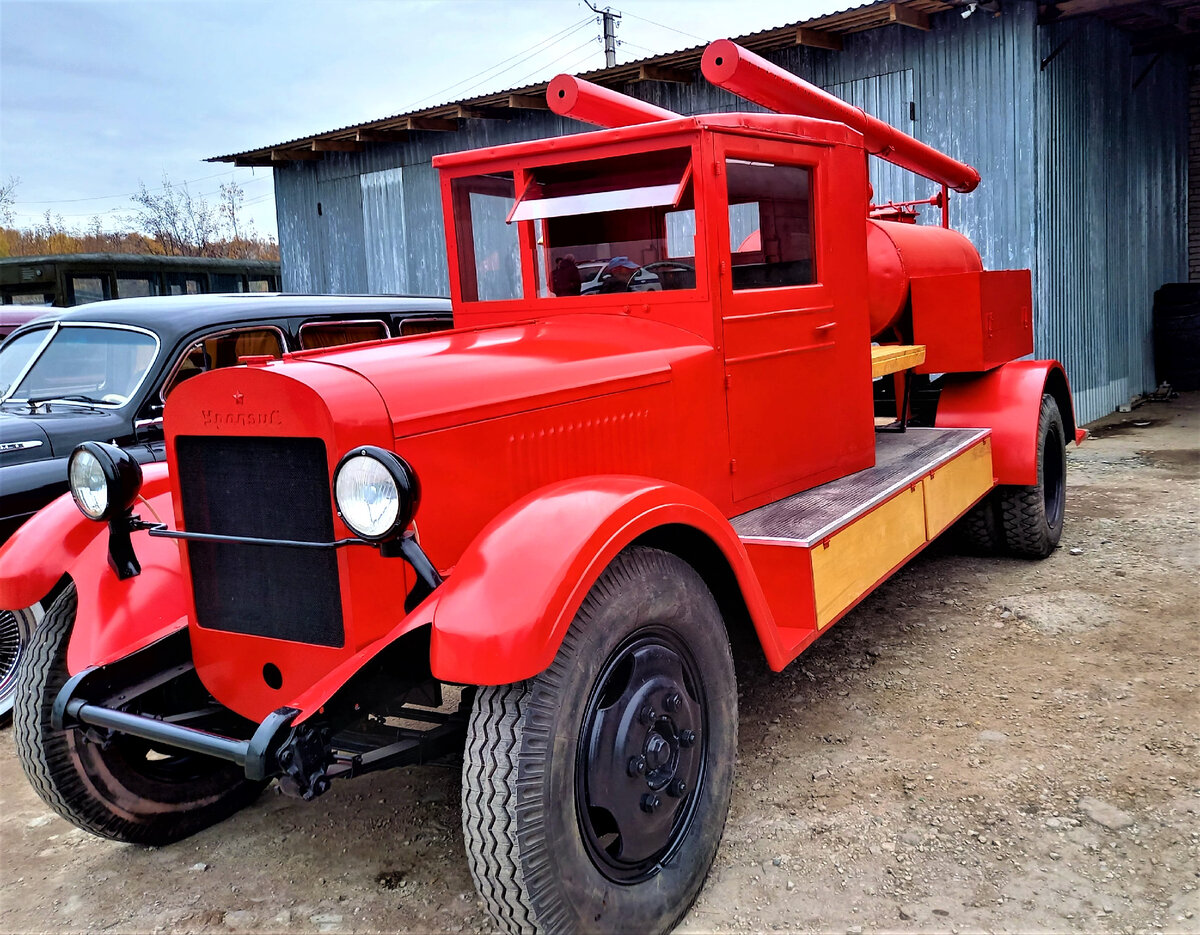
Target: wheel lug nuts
[637, 765]
[650, 802]
[687, 738]
[673, 702]
[647, 715]
[677, 788]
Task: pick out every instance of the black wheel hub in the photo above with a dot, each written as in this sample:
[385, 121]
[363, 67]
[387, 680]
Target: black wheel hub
[641, 756]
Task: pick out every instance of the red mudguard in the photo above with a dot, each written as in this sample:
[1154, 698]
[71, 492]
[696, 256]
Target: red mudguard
[1007, 400]
[504, 610]
[115, 617]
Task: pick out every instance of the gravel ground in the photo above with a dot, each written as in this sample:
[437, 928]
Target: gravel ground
[983, 745]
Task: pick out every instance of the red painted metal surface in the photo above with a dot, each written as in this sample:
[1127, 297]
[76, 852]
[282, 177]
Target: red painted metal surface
[582, 100]
[729, 66]
[972, 321]
[488, 631]
[50, 543]
[898, 252]
[1008, 400]
[114, 617]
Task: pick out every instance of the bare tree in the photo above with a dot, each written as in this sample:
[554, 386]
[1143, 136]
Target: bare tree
[232, 197]
[8, 192]
[181, 224]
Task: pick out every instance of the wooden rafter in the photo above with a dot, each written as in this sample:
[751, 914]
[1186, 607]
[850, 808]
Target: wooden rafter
[818, 39]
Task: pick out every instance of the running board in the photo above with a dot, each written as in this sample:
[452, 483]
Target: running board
[821, 551]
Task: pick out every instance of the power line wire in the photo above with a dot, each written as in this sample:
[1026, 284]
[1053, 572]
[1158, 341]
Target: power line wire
[159, 188]
[542, 68]
[562, 33]
[661, 26]
[525, 59]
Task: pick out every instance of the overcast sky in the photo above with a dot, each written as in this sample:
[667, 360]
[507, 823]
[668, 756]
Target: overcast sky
[96, 97]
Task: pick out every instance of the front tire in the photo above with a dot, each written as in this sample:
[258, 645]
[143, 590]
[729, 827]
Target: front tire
[124, 788]
[595, 794]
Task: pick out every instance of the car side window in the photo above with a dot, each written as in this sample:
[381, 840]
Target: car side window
[318, 334]
[224, 350]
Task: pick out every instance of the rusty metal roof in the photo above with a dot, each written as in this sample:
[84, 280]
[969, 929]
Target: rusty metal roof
[820, 32]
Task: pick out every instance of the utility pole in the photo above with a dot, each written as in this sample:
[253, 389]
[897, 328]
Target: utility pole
[610, 32]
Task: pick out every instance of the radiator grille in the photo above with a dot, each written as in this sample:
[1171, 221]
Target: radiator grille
[272, 488]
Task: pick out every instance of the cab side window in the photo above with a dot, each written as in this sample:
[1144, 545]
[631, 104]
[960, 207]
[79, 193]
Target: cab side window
[770, 224]
[318, 334]
[224, 350]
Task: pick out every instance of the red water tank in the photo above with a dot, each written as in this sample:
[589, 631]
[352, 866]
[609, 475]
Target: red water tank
[897, 252]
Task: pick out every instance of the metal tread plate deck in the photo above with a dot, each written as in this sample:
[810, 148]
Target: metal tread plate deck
[901, 459]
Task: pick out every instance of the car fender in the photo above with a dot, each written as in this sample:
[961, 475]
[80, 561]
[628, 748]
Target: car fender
[502, 613]
[114, 617]
[1008, 401]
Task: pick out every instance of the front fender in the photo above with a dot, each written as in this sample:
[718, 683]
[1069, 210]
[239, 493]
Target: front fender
[114, 617]
[502, 614]
[1008, 400]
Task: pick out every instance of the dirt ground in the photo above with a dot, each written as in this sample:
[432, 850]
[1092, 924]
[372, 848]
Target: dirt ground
[984, 745]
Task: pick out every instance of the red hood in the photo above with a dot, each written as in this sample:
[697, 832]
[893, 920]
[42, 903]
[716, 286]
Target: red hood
[452, 378]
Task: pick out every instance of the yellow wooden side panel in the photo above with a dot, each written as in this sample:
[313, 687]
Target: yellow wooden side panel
[860, 555]
[955, 486]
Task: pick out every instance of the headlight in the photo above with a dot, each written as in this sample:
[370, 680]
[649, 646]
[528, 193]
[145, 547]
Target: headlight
[376, 493]
[104, 480]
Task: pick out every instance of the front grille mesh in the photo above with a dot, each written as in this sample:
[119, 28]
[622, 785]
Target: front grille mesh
[270, 488]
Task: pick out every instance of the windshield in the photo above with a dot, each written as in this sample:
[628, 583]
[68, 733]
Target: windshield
[618, 224]
[91, 364]
[15, 354]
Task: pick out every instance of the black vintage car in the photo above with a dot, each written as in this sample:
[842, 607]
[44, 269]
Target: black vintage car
[102, 372]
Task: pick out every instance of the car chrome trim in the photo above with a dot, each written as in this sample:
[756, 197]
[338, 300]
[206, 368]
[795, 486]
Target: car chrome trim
[20, 446]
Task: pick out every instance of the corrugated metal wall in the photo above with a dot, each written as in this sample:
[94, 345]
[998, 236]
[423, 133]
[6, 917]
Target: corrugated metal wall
[1111, 201]
[1084, 178]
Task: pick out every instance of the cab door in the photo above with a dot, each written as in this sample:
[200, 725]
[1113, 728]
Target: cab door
[794, 320]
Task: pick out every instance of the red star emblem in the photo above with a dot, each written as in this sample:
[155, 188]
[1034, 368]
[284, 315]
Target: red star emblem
[238, 397]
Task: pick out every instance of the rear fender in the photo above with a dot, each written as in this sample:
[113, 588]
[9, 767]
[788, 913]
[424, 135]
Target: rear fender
[114, 617]
[502, 613]
[1008, 400]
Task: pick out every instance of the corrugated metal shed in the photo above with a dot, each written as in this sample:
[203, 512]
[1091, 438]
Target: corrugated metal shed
[1082, 145]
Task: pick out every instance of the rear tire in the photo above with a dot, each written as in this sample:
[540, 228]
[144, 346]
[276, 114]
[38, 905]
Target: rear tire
[979, 532]
[595, 793]
[1031, 518]
[124, 789]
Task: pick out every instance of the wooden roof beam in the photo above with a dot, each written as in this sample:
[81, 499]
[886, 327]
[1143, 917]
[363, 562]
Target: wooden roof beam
[441, 124]
[652, 72]
[294, 155]
[463, 112]
[527, 102]
[905, 16]
[381, 136]
[253, 161]
[336, 146]
[818, 39]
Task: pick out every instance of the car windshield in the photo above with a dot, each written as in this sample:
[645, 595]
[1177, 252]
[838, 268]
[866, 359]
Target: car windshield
[16, 353]
[89, 365]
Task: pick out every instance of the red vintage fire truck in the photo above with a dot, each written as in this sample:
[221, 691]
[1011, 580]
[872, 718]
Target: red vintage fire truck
[697, 384]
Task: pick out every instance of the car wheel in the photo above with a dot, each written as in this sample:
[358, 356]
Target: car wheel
[115, 786]
[15, 629]
[595, 794]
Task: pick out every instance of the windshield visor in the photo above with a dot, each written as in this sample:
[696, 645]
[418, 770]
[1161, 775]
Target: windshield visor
[92, 365]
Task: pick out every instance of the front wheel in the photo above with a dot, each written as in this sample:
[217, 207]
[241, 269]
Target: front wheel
[595, 794]
[118, 786]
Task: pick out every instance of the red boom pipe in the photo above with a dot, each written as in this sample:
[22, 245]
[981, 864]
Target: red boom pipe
[582, 100]
[729, 66]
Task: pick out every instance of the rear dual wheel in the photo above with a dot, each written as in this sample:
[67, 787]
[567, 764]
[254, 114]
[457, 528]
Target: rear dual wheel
[595, 794]
[1025, 521]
